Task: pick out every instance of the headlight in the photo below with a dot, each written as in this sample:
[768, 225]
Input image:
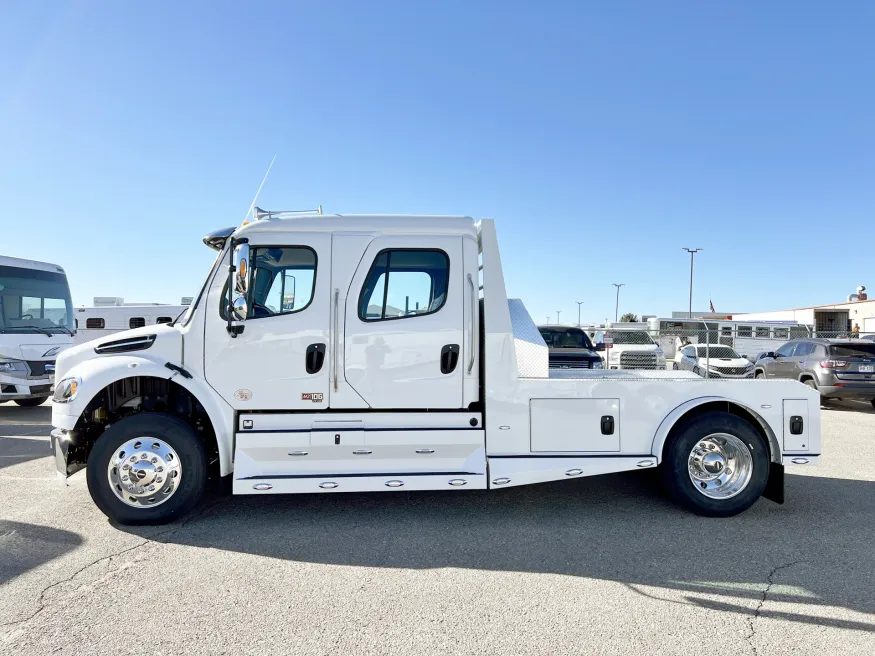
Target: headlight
[66, 390]
[597, 364]
[15, 368]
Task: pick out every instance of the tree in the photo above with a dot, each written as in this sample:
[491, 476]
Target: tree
[629, 318]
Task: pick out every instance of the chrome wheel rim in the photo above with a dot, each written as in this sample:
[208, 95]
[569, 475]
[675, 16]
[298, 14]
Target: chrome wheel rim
[720, 466]
[144, 472]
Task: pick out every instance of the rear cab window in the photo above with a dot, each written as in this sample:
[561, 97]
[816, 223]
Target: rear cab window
[405, 283]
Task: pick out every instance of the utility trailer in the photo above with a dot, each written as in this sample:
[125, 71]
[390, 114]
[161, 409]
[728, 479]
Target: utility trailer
[399, 363]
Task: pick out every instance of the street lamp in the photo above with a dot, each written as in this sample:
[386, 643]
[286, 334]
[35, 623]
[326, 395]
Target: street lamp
[617, 306]
[548, 318]
[692, 252]
[579, 303]
[557, 316]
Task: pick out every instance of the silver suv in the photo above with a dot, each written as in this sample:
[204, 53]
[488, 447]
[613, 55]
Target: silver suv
[837, 368]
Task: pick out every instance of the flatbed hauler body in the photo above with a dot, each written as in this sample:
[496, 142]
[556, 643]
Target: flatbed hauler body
[365, 353]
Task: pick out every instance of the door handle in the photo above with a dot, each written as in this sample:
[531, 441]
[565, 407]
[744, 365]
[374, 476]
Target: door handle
[449, 358]
[607, 425]
[314, 358]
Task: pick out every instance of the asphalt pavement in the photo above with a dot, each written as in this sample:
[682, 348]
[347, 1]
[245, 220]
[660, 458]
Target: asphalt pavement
[603, 565]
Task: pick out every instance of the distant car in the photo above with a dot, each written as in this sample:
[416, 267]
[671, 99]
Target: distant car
[837, 368]
[569, 348]
[632, 349]
[715, 360]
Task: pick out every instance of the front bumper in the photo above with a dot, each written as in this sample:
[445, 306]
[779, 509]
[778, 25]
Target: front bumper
[12, 389]
[66, 452]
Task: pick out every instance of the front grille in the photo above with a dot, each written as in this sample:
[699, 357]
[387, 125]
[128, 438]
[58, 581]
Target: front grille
[639, 360]
[38, 367]
[570, 364]
[731, 371]
[40, 389]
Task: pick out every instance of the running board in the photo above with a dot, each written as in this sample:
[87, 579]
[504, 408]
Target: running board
[349, 482]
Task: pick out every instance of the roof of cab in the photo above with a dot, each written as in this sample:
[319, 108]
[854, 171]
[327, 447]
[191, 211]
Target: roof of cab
[377, 223]
[8, 260]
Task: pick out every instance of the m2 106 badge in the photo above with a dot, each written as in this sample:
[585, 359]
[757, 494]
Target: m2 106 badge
[315, 397]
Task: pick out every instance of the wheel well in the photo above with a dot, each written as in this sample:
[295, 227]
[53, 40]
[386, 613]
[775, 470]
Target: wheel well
[805, 377]
[721, 406]
[131, 396]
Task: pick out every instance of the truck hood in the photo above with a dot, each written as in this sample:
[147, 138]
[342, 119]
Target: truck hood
[37, 347]
[167, 347]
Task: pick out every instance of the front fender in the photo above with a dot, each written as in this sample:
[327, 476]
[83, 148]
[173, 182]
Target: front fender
[97, 373]
[662, 432]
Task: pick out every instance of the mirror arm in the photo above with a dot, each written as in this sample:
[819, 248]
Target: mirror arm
[232, 329]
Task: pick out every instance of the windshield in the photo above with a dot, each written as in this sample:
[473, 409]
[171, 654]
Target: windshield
[630, 337]
[565, 338]
[717, 352]
[853, 350]
[34, 301]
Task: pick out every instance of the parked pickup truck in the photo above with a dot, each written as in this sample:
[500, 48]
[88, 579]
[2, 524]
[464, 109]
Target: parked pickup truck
[569, 348]
[360, 353]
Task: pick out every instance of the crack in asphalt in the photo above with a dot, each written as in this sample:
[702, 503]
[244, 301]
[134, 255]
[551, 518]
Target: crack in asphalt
[770, 581]
[151, 539]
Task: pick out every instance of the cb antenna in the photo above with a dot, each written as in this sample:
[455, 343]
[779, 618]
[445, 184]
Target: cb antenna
[263, 180]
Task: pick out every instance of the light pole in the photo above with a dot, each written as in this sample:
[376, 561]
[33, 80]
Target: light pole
[579, 303]
[548, 318]
[557, 316]
[692, 252]
[617, 306]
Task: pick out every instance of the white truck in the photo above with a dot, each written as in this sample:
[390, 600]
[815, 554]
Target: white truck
[36, 324]
[398, 363]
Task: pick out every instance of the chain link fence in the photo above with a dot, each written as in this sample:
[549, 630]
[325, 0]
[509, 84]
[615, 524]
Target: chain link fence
[712, 351]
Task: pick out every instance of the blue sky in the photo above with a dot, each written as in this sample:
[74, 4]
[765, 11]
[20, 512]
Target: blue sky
[601, 136]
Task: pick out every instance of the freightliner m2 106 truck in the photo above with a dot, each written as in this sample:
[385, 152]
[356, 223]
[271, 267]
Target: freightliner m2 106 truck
[330, 354]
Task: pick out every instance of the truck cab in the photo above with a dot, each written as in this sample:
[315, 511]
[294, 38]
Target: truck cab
[327, 354]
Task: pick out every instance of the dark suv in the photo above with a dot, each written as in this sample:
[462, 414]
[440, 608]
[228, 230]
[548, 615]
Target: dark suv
[837, 368]
[570, 348]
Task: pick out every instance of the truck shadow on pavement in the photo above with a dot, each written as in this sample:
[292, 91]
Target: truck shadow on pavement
[26, 546]
[815, 551]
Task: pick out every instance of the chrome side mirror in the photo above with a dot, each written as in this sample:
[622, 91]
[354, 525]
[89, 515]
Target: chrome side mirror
[239, 308]
[239, 304]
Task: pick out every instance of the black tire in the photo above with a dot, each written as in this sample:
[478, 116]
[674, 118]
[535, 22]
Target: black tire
[32, 403]
[180, 437]
[675, 469]
[674, 366]
[759, 374]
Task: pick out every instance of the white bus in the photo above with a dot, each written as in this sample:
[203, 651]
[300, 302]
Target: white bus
[36, 324]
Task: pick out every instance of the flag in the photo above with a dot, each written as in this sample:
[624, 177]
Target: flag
[712, 306]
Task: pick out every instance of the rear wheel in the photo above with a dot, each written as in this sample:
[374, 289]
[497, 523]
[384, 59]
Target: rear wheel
[32, 403]
[716, 465]
[147, 469]
[759, 374]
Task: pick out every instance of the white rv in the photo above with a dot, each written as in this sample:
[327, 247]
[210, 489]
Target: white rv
[102, 320]
[36, 324]
[399, 364]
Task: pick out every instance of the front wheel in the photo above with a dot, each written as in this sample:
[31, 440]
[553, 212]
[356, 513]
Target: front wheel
[32, 403]
[147, 469]
[716, 465]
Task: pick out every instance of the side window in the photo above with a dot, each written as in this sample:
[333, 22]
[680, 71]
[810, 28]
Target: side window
[762, 332]
[283, 279]
[136, 322]
[787, 350]
[782, 333]
[744, 331]
[164, 320]
[803, 348]
[405, 283]
[94, 322]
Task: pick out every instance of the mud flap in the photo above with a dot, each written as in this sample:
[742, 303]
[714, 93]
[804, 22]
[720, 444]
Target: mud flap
[775, 485]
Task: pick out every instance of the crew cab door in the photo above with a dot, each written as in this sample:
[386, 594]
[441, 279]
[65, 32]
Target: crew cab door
[403, 327]
[280, 359]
